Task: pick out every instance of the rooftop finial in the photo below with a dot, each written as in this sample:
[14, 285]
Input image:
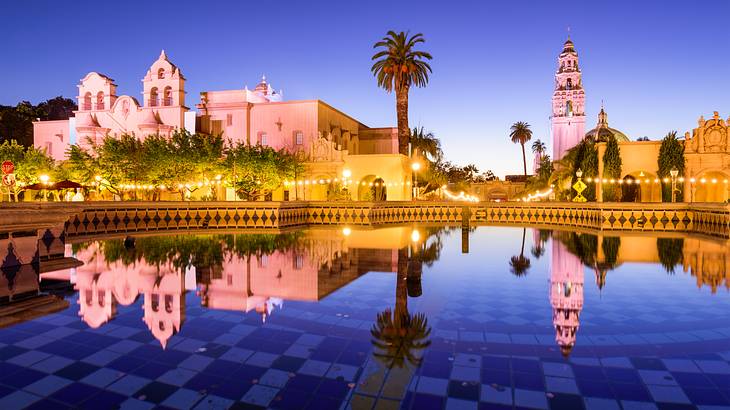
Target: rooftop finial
[568, 32]
[163, 55]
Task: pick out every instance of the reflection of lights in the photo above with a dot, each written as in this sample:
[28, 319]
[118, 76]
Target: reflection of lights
[346, 231]
[415, 235]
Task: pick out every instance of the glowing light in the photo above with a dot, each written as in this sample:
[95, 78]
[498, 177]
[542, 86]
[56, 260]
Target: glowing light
[415, 235]
[415, 166]
[346, 173]
[346, 231]
[44, 178]
[98, 178]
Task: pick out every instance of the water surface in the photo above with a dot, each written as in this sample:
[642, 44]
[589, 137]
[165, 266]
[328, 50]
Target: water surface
[409, 316]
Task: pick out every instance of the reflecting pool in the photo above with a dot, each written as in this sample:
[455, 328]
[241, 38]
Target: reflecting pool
[415, 317]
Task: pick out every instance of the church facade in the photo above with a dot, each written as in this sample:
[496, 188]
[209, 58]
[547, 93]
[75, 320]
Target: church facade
[332, 144]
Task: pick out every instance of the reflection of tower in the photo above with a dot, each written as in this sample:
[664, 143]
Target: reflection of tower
[568, 113]
[164, 306]
[566, 295]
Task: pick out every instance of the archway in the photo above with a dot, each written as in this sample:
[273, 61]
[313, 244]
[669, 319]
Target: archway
[378, 190]
[711, 186]
[648, 190]
[497, 195]
[630, 191]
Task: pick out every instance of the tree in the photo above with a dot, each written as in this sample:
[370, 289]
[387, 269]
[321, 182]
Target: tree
[611, 169]
[538, 148]
[30, 163]
[397, 67]
[426, 143]
[519, 265]
[255, 170]
[671, 156]
[520, 133]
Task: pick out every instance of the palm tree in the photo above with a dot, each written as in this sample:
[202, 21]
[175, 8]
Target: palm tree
[399, 336]
[520, 264]
[398, 66]
[427, 143]
[520, 132]
[538, 148]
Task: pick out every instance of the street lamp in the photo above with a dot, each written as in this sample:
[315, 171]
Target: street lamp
[674, 172]
[415, 167]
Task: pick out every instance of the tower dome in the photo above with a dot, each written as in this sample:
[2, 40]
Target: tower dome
[568, 47]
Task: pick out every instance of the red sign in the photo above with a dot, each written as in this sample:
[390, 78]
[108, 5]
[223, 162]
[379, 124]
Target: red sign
[8, 167]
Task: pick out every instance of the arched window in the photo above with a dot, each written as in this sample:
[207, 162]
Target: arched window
[569, 108]
[154, 98]
[167, 101]
[155, 302]
[87, 101]
[100, 100]
[569, 84]
[168, 303]
[161, 73]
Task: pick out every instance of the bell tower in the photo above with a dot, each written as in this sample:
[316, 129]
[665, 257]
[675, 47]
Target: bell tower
[568, 114]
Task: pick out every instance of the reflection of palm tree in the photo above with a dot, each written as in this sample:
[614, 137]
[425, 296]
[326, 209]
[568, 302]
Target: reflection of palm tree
[520, 264]
[398, 336]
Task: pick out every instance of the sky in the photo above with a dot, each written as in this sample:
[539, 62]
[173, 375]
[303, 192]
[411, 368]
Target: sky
[656, 65]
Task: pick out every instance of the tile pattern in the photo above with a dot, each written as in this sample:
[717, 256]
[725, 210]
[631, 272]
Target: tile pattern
[123, 218]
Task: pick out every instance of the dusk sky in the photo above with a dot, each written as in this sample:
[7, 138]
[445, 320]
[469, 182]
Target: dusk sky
[657, 65]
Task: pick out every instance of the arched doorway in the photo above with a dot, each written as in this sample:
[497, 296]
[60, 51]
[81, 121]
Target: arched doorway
[711, 186]
[645, 183]
[372, 188]
[379, 191]
[318, 188]
[630, 191]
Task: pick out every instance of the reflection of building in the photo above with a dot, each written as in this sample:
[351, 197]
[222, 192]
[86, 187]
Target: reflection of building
[566, 295]
[329, 140]
[708, 262]
[319, 264]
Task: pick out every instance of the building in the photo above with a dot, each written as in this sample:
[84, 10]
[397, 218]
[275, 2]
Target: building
[568, 103]
[331, 143]
[707, 147]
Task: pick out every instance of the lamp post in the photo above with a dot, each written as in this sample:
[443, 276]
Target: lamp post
[674, 172]
[415, 167]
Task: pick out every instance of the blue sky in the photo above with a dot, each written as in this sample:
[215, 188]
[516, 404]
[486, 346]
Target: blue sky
[658, 65]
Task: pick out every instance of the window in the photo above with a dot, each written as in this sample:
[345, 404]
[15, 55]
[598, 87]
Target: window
[167, 100]
[298, 138]
[168, 303]
[298, 261]
[100, 100]
[87, 102]
[155, 302]
[229, 120]
[569, 84]
[569, 108]
[263, 139]
[161, 73]
[153, 97]
[264, 261]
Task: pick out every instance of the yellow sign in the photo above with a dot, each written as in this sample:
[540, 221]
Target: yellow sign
[579, 187]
